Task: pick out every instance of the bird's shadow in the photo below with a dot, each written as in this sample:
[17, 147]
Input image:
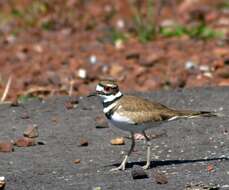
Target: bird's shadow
[157, 163]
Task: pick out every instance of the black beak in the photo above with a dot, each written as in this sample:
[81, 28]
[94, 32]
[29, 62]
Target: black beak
[92, 94]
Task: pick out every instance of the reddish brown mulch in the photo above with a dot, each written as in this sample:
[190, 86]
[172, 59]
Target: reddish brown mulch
[70, 55]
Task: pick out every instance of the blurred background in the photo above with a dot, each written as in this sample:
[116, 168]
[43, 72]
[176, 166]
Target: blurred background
[55, 47]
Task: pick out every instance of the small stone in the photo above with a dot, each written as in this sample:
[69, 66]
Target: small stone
[138, 173]
[72, 103]
[204, 68]
[118, 141]
[210, 168]
[189, 65]
[93, 59]
[68, 105]
[101, 122]
[83, 142]
[2, 182]
[25, 141]
[77, 161]
[225, 186]
[31, 132]
[38, 48]
[10, 39]
[25, 115]
[201, 186]
[160, 178]
[6, 147]
[208, 74]
[82, 73]
[120, 24]
[119, 44]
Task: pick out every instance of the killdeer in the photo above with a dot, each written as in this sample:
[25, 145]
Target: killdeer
[136, 115]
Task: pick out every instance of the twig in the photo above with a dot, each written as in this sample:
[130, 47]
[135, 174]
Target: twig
[71, 88]
[6, 91]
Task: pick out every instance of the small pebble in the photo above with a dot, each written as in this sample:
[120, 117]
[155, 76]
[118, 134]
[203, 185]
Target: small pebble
[210, 168]
[160, 178]
[138, 173]
[120, 23]
[25, 141]
[77, 161]
[25, 115]
[93, 59]
[204, 68]
[6, 147]
[31, 131]
[101, 122]
[118, 141]
[2, 182]
[83, 142]
[189, 65]
[82, 73]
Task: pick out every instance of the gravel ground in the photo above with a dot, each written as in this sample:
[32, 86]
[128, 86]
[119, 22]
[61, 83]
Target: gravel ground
[192, 151]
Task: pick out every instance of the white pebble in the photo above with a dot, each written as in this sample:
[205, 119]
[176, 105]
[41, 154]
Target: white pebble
[225, 186]
[189, 65]
[208, 74]
[204, 68]
[93, 59]
[120, 23]
[82, 73]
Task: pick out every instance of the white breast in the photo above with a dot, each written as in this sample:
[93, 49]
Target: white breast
[125, 123]
[120, 118]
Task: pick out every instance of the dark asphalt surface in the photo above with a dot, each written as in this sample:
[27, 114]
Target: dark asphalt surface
[183, 155]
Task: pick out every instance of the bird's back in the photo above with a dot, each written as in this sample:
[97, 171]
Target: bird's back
[141, 110]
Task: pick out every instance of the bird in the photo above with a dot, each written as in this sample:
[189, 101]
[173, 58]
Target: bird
[136, 114]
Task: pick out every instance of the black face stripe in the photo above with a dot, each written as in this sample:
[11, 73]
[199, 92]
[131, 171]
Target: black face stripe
[113, 90]
[110, 113]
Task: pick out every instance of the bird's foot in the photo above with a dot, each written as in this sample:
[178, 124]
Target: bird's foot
[122, 165]
[145, 167]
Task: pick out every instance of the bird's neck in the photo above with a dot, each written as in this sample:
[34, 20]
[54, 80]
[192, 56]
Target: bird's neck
[110, 99]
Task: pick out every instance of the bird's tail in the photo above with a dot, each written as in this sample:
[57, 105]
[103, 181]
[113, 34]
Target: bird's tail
[193, 114]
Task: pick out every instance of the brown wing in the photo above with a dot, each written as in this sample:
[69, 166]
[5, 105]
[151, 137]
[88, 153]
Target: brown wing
[141, 110]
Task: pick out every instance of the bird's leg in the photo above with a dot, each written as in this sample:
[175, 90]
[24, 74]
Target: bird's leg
[148, 151]
[123, 164]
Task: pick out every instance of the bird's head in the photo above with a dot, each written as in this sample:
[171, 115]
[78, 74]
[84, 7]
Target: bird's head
[107, 90]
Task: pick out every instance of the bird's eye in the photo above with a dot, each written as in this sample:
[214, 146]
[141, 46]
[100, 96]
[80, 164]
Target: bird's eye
[107, 88]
